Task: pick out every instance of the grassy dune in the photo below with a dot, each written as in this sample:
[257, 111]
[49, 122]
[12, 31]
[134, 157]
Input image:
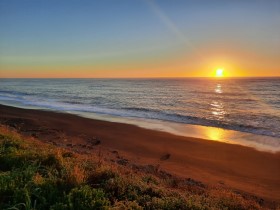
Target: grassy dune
[35, 175]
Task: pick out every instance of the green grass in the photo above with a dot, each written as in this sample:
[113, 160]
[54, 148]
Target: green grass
[34, 175]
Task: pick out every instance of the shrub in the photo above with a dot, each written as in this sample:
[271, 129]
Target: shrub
[34, 175]
[84, 198]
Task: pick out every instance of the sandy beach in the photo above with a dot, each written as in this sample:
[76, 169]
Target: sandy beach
[242, 168]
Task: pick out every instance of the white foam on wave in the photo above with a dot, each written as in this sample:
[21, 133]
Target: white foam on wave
[150, 120]
[259, 142]
[60, 106]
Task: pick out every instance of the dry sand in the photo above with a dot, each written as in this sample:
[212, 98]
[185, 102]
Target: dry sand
[217, 163]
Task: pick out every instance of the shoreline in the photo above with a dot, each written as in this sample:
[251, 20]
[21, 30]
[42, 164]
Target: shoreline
[212, 162]
[257, 141]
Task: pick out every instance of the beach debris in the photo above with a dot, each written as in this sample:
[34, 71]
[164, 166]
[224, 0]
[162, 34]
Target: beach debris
[97, 142]
[165, 157]
[34, 135]
[16, 123]
[164, 175]
[82, 135]
[94, 141]
[82, 145]
[116, 153]
[146, 168]
[69, 145]
[89, 147]
[67, 154]
[122, 162]
[151, 168]
[221, 182]
[54, 143]
[192, 182]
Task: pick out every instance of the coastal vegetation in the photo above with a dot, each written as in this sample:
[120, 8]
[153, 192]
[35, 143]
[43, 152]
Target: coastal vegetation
[36, 175]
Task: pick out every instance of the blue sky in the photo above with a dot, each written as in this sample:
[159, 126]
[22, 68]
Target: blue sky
[136, 32]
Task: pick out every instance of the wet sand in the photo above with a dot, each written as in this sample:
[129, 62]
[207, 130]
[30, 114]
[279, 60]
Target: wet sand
[217, 163]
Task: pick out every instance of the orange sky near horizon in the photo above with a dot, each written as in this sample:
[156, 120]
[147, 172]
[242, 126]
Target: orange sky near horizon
[87, 72]
[173, 66]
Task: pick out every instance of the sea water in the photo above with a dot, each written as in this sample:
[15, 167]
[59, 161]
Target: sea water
[248, 105]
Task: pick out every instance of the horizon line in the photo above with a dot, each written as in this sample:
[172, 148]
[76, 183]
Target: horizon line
[220, 78]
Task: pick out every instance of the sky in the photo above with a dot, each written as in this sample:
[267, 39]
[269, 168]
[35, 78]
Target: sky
[139, 38]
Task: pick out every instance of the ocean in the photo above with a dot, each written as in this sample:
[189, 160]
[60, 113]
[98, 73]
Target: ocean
[250, 105]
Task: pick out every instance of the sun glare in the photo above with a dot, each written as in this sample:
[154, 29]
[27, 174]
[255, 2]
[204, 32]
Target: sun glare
[219, 73]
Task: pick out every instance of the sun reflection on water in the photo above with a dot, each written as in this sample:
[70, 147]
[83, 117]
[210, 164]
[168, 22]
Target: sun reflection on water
[217, 106]
[214, 134]
[217, 109]
[218, 89]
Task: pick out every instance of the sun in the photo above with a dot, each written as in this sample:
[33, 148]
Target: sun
[219, 72]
